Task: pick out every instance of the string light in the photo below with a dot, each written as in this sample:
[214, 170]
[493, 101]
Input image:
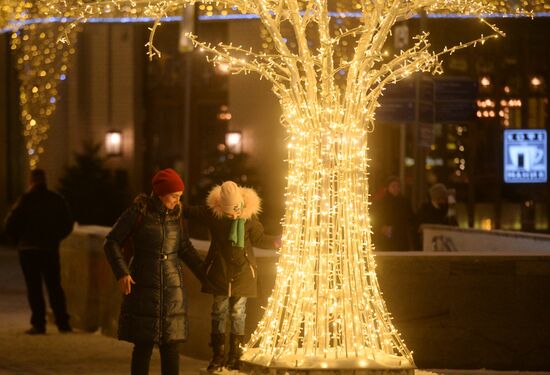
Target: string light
[326, 310]
[13, 13]
[41, 63]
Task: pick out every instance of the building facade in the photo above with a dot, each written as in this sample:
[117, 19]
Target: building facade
[176, 110]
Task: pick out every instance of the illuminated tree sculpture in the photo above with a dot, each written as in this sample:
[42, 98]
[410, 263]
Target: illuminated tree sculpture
[326, 310]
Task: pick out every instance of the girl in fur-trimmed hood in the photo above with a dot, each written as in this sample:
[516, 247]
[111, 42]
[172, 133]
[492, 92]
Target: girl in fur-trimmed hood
[225, 198]
[231, 216]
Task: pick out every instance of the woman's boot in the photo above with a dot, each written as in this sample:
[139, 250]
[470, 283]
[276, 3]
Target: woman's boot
[218, 349]
[235, 352]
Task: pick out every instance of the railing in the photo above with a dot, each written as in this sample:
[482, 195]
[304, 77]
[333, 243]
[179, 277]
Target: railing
[450, 239]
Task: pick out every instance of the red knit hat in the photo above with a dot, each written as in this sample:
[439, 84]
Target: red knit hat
[166, 181]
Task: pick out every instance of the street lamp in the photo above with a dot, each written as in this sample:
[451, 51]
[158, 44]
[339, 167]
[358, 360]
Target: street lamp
[233, 141]
[485, 81]
[113, 143]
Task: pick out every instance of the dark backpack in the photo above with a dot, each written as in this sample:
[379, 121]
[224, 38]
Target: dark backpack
[128, 245]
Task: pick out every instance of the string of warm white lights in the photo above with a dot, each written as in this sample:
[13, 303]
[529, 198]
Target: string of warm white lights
[42, 63]
[13, 13]
[326, 309]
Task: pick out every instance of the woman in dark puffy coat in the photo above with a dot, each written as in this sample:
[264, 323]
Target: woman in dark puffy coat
[154, 307]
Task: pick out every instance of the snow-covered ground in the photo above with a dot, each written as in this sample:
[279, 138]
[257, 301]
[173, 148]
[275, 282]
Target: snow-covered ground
[477, 372]
[88, 353]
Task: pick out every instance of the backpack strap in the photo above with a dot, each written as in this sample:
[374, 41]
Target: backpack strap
[128, 245]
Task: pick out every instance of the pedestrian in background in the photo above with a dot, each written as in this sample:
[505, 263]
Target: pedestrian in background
[154, 309]
[230, 214]
[392, 219]
[38, 222]
[436, 211]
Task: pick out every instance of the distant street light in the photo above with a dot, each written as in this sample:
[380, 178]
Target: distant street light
[233, 141]
[536, 81]
[485, 81]
[113, 143]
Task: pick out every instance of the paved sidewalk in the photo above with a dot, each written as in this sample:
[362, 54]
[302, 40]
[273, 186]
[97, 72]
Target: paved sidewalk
[82, 353]
[77, 353]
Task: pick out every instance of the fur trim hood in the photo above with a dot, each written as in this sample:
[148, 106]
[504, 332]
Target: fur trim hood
[252, 202]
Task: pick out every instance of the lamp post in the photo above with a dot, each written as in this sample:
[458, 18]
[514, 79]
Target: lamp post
[113, 143]
[233, 141]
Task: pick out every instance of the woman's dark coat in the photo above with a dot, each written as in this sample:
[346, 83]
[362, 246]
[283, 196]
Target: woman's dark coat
[156, 308]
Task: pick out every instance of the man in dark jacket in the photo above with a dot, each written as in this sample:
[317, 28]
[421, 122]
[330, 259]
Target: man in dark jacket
[436, 211]
[38, 221]
[393, 219]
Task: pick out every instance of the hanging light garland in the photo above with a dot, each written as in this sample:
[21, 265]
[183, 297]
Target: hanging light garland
[42, 63]
[13, 13]
[326, 310]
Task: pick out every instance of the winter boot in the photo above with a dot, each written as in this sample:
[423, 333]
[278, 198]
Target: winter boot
[235, 351]
[217, 342]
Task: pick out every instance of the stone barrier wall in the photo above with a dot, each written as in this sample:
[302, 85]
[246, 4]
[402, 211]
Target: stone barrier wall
[448, 238]
[470, 311]
[475, 310]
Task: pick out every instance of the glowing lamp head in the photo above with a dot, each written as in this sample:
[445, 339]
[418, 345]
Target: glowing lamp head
[233, 141]
[113, 143]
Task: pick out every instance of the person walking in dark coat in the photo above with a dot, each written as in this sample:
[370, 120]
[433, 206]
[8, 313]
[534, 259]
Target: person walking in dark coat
[231, 216]
[154, 308]
[436, 211]
[38, 221]
[393, 219]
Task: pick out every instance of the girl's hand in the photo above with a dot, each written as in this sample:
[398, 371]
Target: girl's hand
[125, 284]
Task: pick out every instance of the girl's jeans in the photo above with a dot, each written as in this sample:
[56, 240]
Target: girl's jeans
[235, 308]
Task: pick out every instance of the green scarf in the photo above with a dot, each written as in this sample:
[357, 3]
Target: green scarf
[236, 234]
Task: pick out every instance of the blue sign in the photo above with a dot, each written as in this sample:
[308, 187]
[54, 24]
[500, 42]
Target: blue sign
[525, 156]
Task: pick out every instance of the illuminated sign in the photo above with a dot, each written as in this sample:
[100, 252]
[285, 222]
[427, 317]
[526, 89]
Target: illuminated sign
[525, 156]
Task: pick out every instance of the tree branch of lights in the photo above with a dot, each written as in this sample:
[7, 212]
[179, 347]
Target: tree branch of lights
[326, 310]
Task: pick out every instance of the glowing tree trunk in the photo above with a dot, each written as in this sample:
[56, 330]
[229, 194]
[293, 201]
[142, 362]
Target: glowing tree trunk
[326, 310]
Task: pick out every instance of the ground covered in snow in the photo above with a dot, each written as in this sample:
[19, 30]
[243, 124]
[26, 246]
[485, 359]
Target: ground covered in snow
[85, 353]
